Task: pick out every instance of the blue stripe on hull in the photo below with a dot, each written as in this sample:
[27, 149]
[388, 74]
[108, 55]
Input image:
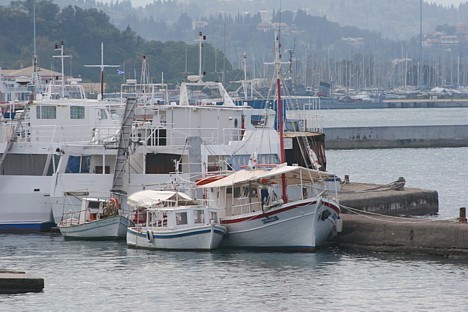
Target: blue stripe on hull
[27, 228]
[163, 236]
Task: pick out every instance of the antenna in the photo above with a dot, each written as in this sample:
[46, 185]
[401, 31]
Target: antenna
[201, 39]
[35, 78]
[61, 56]
[144, 75]
[102, 66]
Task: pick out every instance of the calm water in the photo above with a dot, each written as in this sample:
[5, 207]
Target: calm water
[394, 117]
[107, 276]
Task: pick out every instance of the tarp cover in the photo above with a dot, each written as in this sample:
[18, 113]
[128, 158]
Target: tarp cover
[293, 174]
[148, 198]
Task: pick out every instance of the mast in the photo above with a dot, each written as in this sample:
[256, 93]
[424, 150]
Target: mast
[280, 113]
[244, 68]
[35, 78]
[201, 39]
[61, 56]
[102, 66]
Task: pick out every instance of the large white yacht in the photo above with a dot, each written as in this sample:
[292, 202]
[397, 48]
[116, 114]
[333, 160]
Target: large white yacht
[30, 141]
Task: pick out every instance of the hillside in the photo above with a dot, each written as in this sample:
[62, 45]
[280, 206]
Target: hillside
[395, 20]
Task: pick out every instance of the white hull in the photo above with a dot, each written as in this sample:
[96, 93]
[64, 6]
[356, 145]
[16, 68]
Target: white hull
[205, 237]
[108, 228]
[25, 204]
[323, 228]
[295, 226]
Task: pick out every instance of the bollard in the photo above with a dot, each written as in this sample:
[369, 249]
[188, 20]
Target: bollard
[346, 179]
[462, 217]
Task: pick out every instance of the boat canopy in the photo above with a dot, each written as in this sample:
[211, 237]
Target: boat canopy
[148, 198]
[294, 175]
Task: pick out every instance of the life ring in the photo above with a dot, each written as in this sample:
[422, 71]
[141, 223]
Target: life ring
[149, 235]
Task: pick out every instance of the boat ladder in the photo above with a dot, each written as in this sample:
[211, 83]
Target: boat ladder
[124, 143]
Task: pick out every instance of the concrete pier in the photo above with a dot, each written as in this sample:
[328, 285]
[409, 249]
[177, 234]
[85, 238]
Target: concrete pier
[14, 282]
[389, 199]
[404, 235]
[396, 137]
[373, 220]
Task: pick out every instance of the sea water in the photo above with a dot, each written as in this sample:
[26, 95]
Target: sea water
[108, 276]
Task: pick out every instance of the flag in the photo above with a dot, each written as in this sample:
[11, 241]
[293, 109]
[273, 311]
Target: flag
[120, 72]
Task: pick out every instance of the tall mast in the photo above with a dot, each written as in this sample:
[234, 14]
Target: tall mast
[244, 67]
[278, 93]
[35, 80]
[280, 112]
[102, 66]
[201, 39]
[61, 56]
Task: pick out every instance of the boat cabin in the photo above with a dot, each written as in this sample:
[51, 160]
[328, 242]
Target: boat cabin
[92, 209]
[181, 217]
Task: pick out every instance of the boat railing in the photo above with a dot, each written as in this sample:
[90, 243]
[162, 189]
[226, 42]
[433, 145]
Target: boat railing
[244, 208]
[60, 133]
[71, 217]
[7, 130]
[312, 121]
[163, 134]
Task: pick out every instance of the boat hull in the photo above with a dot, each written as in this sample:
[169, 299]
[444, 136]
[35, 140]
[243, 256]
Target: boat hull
[108, 228]
[25, 205]
[206, 237]
[296, 226]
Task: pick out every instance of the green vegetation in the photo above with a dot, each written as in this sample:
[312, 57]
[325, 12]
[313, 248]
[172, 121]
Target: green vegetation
[82, 31]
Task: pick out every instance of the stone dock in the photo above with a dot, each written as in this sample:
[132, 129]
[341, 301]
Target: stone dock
[14, 282]
[391, 199]
[404, 235]
[372, 220]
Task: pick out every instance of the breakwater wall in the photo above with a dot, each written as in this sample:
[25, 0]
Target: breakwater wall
[396, 137]
[384, 199]
[447, 238]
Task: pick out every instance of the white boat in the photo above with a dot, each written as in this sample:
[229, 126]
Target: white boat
[173, 221]
[30, 144]
[98, 219]
[257, 218]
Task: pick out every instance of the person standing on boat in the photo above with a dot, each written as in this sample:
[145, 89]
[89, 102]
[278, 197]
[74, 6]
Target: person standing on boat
[264, 192]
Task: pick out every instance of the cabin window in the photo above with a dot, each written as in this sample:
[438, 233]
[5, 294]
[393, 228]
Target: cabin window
[98, 169]
[102, 114]
[181, 218]
[161, 163]
[94, 204]
[214, 216]
[78, 164]
[77, 112]
[249, 192]
[198, 216]
[46, 112]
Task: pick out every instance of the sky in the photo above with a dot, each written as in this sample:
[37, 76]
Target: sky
[443, 2]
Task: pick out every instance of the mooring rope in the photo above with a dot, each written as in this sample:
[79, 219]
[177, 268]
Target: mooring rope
[374, 216]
